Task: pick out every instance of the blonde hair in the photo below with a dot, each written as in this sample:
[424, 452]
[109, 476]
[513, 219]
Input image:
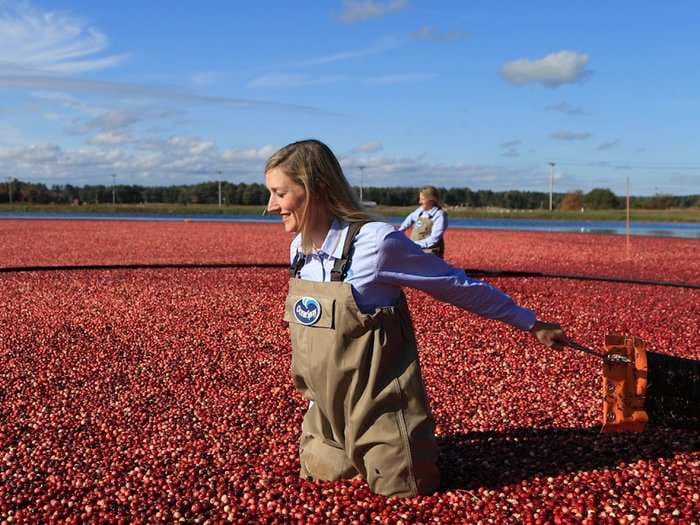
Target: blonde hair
[433, 194]
[312, 164]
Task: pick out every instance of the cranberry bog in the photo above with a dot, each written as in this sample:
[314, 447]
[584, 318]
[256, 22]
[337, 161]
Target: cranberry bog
[154, 390]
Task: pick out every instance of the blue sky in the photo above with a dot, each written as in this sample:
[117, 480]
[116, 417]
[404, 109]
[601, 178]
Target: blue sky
[477, 94]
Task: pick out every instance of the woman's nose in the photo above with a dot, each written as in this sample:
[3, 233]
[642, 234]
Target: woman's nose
[272, 204]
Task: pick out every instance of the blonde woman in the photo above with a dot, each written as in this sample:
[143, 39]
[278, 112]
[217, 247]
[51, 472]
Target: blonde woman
[428, 222]
[354, 355]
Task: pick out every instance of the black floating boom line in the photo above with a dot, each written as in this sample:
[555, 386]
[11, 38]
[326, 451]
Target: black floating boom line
[473, 272]
[138, 266]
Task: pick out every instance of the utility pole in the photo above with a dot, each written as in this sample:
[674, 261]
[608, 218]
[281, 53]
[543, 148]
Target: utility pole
[627, 225]
[362, 181]
[219, 173]
[551, 183]
[114, 189]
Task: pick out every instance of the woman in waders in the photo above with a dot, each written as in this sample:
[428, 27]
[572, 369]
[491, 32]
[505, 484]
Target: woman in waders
[354, 354]
[429, 222]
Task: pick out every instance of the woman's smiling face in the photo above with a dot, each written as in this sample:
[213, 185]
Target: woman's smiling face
[425, 202]
[287, 198]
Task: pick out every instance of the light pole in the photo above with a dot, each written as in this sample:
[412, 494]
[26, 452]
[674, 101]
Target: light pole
[114, 189]
[551, 183]
[627, 222]
[362, 181]
[219, 173]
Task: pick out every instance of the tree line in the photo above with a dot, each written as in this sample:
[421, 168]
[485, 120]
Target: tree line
[232, 194]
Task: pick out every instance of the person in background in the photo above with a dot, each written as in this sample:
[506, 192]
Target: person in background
[429, 222]
[354, 353]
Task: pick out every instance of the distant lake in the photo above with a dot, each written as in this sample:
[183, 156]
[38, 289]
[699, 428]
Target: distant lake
[657, 229]
[686, 230]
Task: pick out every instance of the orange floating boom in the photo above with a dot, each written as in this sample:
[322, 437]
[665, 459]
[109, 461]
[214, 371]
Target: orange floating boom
[624, 385]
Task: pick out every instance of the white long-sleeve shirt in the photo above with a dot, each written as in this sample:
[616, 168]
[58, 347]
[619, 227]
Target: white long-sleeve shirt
[385, 260]
[439, 218]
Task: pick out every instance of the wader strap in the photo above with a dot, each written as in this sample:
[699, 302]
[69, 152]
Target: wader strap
[342, 265]
[297, 264]
[431, 213]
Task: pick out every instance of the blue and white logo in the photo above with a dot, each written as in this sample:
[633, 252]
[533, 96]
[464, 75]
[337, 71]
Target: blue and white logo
[307, 310]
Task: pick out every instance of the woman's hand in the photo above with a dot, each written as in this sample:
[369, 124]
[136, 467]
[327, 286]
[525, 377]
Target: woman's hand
[549, 334]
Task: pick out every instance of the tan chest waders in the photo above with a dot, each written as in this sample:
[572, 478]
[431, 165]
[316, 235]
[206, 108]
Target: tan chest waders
[422, 230]
[368, 412]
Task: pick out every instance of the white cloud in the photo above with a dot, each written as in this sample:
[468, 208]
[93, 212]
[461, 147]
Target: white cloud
[386, 80]
[369, 147]
[112, 123]
[53, 96]
[566, 108]
[511, 143]
[112, 120]
[290, 80]
[50, 41]
[194, 147]
[178, 157]
[608, 145]
[110, 138]
[128, 91]
[31, 155]
[570, 135]
[204, 78]
[10, 135]
[395, 171]
[187, 160]
[435, 35]
[69, 102]
[687, 183]
[262, 153]
[510, 148]
[553, 70]
[360, 10]
[381, 46]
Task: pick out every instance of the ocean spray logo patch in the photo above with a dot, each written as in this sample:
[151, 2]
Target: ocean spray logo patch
[307, 311]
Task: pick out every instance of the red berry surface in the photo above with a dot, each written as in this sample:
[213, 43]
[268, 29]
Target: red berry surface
[163, 395]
